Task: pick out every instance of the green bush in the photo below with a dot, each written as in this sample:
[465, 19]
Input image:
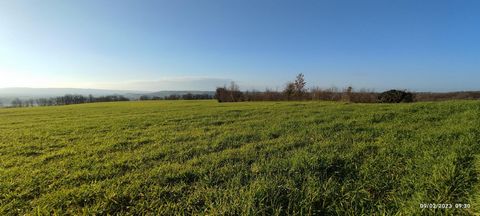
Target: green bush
[395, 96]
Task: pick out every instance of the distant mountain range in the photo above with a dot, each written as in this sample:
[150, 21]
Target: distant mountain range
[8, 94]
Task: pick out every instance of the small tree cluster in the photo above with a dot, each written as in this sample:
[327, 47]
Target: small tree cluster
[230, 94]
[17, 103]
[296, 90]
[22, 103]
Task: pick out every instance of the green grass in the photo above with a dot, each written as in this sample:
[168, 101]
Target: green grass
[267, 158]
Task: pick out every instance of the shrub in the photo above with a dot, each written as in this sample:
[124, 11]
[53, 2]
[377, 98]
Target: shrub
[395, 96]
[289, 90]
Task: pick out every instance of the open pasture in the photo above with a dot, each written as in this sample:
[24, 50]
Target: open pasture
[253, 158]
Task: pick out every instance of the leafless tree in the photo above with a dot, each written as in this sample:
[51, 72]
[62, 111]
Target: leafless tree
[300, 84]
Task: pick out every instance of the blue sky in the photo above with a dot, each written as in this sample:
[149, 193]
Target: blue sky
[184, 44]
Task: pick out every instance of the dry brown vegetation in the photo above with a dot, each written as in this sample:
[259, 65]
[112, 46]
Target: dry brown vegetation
[296, 91]
[464, 95]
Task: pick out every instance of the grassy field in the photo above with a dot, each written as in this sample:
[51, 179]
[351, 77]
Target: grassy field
[202, 157]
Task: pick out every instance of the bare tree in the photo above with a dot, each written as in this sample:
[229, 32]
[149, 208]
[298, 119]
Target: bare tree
[233, 86]
[300, 84]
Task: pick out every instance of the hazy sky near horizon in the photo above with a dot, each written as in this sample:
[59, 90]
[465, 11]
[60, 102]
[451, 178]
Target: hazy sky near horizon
[197, 45]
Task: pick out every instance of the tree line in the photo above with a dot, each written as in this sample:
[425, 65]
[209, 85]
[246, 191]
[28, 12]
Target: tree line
[188, 96]
[80, 99]
[296, 90]
[66, 100]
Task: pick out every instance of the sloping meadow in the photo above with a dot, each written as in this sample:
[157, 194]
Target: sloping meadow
[267, 158]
